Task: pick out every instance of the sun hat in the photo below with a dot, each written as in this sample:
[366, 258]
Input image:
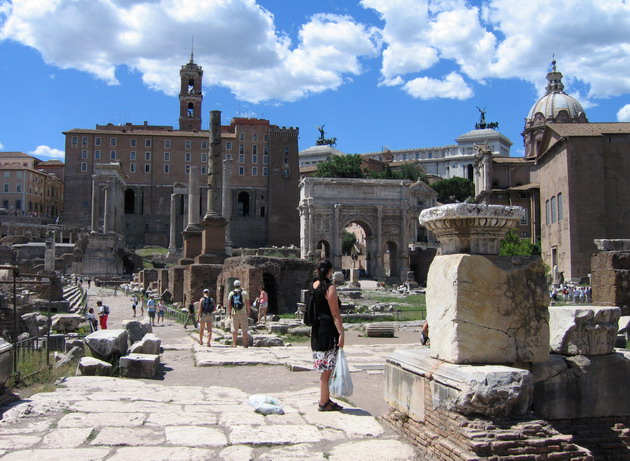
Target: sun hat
[237, 283]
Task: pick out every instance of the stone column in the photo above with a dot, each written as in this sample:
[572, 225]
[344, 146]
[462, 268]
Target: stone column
[379, 235]
[95, 199]
[107, 215]
[336, 243]
[214, 166]
[172, 234]
[193, 196]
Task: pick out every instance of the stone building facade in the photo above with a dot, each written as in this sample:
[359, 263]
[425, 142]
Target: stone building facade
[157, 161]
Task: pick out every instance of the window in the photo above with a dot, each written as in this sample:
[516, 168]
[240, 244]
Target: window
[75, 141]
[560, 207]
[18, 188]
[167, 168]
[204, 144]
[83, 166]
[553, 209]
[167, 156]
[204, 157]
[241, 149]
[167, 143]
[97, 141]
[203, 170]
[254, 158]
[254, 149]
[254, 137]
[241, 170]
[147, 156]
[18, 204]
[187, 157]
[5, 204]
[242, 204]
[97, 154]
[84, 141]
[547, 213]
[254, 171]
[147, 143]
[267, 138]
[84, 154]
[132, 167]
[18, 174]
[241, 158]
[241, 137]
[6, 188]
[7, 174]
[147, 168]
[524, 218]
[188, 144]
[133, 142]
[285, 173]
[265, 159]
[132, 155]
[286, 161]
[266, 149]
[112, 154]
[228, 146]
[187, 169]
[265, 171]
[112, 142]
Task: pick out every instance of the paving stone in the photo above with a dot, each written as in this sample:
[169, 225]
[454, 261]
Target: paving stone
[195, 436]
[129, 436]
[237, 453]
[114, 406]
[162, 454]
[352, 421]
[248, 416]
[374, 450]
[301, 452]
[181, 418]
[66, 438]
[48, 454]
[30, 428]
[101, 420]
[19, 441]
[286, 418]
[274, 435]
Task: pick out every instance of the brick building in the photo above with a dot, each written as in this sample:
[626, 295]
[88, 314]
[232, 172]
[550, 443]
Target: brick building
[30, 185]
[158, 158]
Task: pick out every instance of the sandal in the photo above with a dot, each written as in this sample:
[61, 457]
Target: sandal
[330, 406]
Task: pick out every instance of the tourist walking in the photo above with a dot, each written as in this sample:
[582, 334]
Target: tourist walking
[192, 318]
[103, 314]
[327, 335]
[151, 309]
[263, 304]
[206, 310]
[134, 303]
[160, 312]
[239, 309]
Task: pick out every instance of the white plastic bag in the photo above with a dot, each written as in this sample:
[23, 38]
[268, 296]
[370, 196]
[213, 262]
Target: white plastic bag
[340, 384]
[265, 405]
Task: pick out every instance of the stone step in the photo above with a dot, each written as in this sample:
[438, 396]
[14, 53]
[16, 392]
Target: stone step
[379, 331]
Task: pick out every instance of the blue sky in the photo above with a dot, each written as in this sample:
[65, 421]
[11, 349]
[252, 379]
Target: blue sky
[395, 73]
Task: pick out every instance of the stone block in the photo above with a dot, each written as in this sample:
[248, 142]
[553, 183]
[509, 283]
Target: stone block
[486, 390]
[65, 323]
[150, 344]
[266, 341]
[488, 309]
[36, 323]
[74, 355]
[279, 329]
[106, 344]
[582, 386]
[583, 330]
[136, 329]
[6, 361]
[90, 366]
[139, 365]
[612, 244]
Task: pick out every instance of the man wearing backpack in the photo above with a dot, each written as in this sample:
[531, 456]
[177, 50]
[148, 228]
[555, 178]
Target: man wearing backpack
[103, 314]
[239, 309]
[206, 310]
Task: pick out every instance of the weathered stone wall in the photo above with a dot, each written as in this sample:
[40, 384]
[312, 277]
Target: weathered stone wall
[176, 283]
[448, 436]
[607, 438]
[148, 277]
[610, 279]
[197, 277]
[162, 280]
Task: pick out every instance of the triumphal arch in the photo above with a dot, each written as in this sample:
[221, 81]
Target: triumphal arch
[387, 210]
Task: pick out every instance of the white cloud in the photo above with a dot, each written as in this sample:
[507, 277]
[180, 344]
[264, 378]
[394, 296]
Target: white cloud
[235, 42]
[452, 86]
[48, 153]
[624, 114]
[1, 146]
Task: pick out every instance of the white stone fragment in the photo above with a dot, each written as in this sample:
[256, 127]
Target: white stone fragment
[583, 330]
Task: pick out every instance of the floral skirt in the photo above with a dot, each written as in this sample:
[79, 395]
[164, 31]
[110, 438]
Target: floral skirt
[324, 360]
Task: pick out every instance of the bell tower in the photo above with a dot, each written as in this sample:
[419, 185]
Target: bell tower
[190, 96]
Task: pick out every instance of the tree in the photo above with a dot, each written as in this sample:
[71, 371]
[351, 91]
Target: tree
[513, 245]
[340, 166]
[454, 190]
[406, 171]
[348, 239]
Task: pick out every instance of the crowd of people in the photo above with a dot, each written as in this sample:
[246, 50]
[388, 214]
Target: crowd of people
[572, 293]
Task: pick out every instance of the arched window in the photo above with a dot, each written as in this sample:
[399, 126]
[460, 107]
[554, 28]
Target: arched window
[130, 201]
[553, 210]
[191, 110]
[242, 206]
[560, 207]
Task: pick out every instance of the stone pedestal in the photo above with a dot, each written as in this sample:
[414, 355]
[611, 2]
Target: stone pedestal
[192, 244]
[176, 283]
[582, 330]
[610, 274]
[212, 241]
[488, 309]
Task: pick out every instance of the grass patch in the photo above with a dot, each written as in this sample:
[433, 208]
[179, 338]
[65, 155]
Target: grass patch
[150, 251]
[295, 338]
[34, 376]
[415, 300]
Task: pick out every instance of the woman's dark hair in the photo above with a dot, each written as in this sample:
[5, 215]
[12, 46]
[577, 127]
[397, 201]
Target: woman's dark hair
[323, 266]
